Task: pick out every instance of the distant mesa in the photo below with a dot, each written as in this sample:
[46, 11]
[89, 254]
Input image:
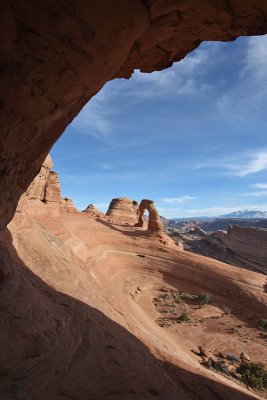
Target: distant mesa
[123, 209]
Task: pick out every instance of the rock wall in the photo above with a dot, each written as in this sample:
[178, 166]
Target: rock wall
[124, 209]
[56, 55]
[249, 243]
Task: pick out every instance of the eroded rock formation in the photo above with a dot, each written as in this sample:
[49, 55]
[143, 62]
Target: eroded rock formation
[45, 189]
[154, 220]
[124, 209]
[56, 56]
[93, 211]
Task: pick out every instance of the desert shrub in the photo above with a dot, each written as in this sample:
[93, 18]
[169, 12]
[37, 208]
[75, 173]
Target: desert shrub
[203, 299]
[263, 324]
[253, 375]
[184, 317]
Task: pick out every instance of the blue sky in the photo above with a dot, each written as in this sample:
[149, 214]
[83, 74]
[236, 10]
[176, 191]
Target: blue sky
[191, 137]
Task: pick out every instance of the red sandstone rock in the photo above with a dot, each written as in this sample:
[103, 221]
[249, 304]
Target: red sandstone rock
[124, 209]
[154, 220]
[68, 205]
[52, 189]
[93, 211]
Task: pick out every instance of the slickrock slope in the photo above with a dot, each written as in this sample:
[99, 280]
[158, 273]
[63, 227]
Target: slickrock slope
[123, 209]
[57, 55]
[79, 319]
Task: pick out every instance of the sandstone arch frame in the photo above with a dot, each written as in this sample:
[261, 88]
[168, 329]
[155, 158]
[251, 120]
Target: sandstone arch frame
[57, 54]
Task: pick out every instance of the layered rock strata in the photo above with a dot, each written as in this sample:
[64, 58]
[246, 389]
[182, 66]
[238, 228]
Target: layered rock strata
[123, 208]
[248, 243]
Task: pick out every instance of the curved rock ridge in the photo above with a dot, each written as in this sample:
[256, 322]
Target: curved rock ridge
[57, 56]
[124, 209]
[154, 220]
[93, 211]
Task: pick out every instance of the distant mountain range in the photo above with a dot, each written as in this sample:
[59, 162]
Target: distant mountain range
[240, 214]
[247, 214]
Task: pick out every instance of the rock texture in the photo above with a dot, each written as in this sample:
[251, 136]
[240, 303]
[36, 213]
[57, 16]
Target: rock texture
[68, 205]
[52, 189]
[55, 56]
[45, 189]
[243, 247]
[123, 209]
[78, 315]
[93, 211]
[248, 243]
[154, 220]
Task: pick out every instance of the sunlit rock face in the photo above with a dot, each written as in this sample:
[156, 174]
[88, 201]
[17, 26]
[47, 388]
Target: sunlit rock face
[154, 221]
[45, 190]
[56, 56]
[92, 211]
[123, 209]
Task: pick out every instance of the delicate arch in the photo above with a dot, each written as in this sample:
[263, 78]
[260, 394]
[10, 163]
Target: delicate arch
[154, 221]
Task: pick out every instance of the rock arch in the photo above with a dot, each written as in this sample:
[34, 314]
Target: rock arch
[56, 55]
[154, 221]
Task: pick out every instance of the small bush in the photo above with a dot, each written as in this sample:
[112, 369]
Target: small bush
[253, 375]
[263, 324]
[203, 299]
[184, 317]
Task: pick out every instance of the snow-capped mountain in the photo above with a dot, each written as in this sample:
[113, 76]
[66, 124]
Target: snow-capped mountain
[246, 214]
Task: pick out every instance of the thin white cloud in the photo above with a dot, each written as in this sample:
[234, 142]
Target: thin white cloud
[106, 166]
[255, 194]
[178, 200]
[251, 165]
[185, 77]
[259, 186]
[240, 164]
[249, 94]
[95, 117]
